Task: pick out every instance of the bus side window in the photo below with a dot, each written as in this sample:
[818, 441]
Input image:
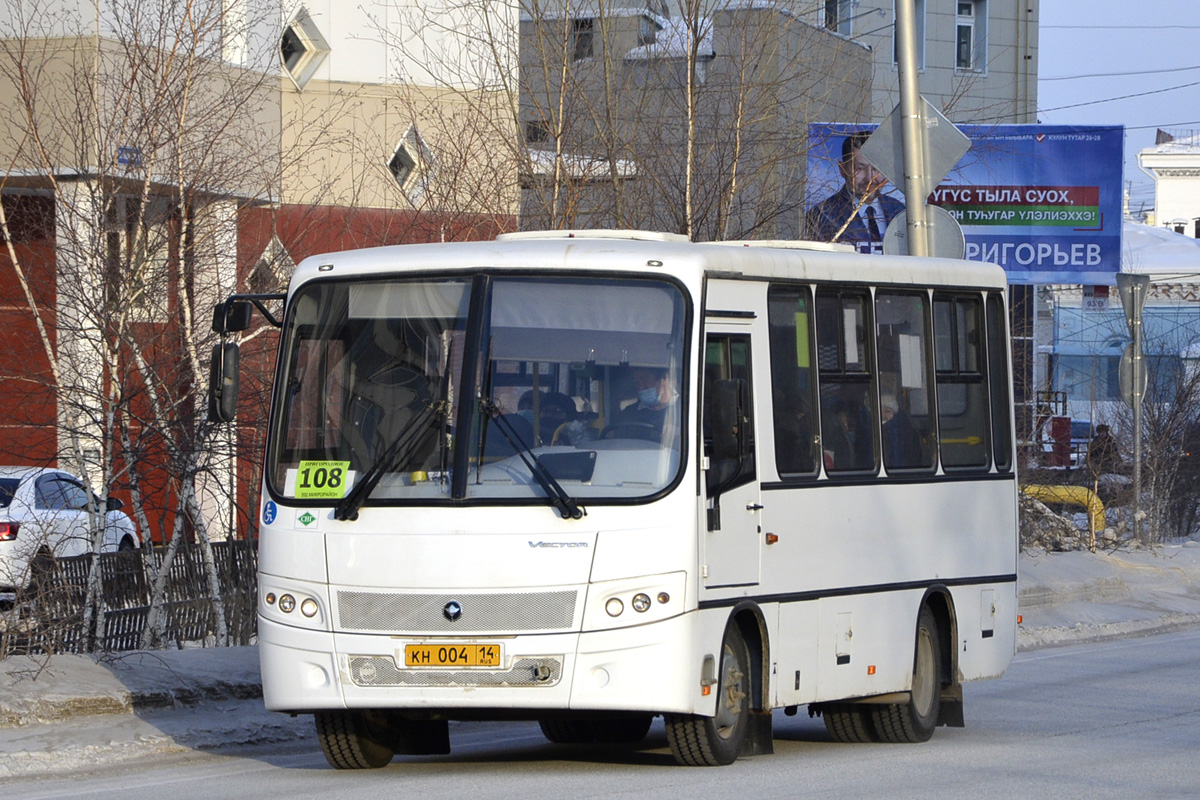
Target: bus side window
[999, 381]
[847, 382]
[905, 407]
[961, 390]
[726, 365]
[792, 380]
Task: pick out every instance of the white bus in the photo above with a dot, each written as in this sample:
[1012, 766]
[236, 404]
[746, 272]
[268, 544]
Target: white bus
[590, 478]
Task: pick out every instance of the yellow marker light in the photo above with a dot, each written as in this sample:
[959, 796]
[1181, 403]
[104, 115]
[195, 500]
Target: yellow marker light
[871, 670]
[270, 598]
[664, 598]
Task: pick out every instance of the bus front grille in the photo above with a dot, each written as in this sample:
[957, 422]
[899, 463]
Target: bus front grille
[394, 613]
[525, 671]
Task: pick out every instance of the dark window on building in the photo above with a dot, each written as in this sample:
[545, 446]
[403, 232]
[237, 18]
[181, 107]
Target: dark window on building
[536, 132]
[582, 39]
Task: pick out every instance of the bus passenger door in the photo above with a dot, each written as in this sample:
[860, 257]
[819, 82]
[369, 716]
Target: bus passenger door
[733, 538]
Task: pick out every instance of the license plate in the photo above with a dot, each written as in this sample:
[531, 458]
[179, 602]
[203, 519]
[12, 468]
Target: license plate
[475, 654]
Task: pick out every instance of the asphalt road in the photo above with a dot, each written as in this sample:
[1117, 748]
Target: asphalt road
[1111, 720]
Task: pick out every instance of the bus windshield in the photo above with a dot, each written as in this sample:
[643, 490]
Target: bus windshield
[573, 383]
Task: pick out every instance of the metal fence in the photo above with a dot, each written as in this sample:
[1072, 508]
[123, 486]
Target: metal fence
[49, 617]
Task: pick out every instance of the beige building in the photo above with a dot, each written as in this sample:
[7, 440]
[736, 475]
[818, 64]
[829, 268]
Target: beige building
[695, 126]
[698, 124]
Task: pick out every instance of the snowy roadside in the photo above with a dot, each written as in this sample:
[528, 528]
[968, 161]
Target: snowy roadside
[74, 712]
[1077, 596]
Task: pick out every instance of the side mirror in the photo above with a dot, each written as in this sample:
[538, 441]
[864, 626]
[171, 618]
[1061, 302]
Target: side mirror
[223, 383]
[232, 316]
[727, 400]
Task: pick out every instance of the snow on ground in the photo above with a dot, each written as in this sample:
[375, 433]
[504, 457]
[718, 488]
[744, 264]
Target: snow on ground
[1078, 596]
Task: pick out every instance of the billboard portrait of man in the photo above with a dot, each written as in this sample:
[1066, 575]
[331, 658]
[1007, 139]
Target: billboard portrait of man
[857, 213]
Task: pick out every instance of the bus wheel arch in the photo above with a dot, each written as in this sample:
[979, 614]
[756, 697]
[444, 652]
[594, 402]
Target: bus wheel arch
[940, 602]
[740, 726]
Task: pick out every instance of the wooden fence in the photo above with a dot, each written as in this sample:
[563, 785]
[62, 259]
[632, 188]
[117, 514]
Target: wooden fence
[49, 618]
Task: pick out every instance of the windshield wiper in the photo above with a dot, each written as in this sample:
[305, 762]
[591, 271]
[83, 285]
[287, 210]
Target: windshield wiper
[555, 493]
[397, 452]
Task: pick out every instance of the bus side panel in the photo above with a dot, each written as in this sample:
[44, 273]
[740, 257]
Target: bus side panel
[987, 633]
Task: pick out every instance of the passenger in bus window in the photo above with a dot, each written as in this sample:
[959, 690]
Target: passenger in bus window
[644, 418]
[901, 442]
[846, 433]
[553, 410]
[793, 432]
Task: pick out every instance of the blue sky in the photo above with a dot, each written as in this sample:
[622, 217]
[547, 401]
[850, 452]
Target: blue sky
[1145, 52]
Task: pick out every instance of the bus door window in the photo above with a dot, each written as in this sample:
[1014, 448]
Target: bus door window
[793, 380]
[997, 354]
[847, 390]
[905, 407]
[728, 413]
[961, 390]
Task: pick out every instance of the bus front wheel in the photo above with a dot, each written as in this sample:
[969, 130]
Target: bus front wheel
[915, 720]
[715, 741]
[350, 741]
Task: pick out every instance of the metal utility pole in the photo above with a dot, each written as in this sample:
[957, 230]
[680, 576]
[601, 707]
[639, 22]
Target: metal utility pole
[912, 117]
[1132, 289]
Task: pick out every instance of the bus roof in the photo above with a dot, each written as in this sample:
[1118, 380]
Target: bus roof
[642, 251]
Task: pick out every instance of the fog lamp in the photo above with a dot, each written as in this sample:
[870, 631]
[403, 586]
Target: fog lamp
[614, 607]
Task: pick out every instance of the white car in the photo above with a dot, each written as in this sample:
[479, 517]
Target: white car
[46, 512]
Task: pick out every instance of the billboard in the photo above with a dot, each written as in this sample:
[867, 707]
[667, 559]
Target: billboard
[1042, 201]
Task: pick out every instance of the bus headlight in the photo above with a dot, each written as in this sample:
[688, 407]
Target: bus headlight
[652, 597]
[614, 607]
[287, 603]
[641, 602]
[309, 607]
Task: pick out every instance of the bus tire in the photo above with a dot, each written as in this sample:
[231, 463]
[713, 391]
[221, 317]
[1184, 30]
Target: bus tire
[347, 741]
[914, 721]
[849, 723]
[698, 741]
[621, 730]
[566, 731]
[606, 730]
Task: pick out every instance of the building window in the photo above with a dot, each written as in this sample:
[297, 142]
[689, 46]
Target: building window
[581, 39]
[838, 15]
[536, 132]
[302, 48]
[272, 271]
[970, 38]
[920, 15]
[413, 166]
[647, 31]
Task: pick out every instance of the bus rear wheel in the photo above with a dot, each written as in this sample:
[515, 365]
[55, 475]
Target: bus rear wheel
[350, 741]
[915, 720]
[715, 741]
[849, 723]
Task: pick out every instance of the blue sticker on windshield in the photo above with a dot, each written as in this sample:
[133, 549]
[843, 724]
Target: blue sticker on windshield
[270, 512]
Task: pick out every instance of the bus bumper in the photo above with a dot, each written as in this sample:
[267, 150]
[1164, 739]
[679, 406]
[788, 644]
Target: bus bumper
[641, 668]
